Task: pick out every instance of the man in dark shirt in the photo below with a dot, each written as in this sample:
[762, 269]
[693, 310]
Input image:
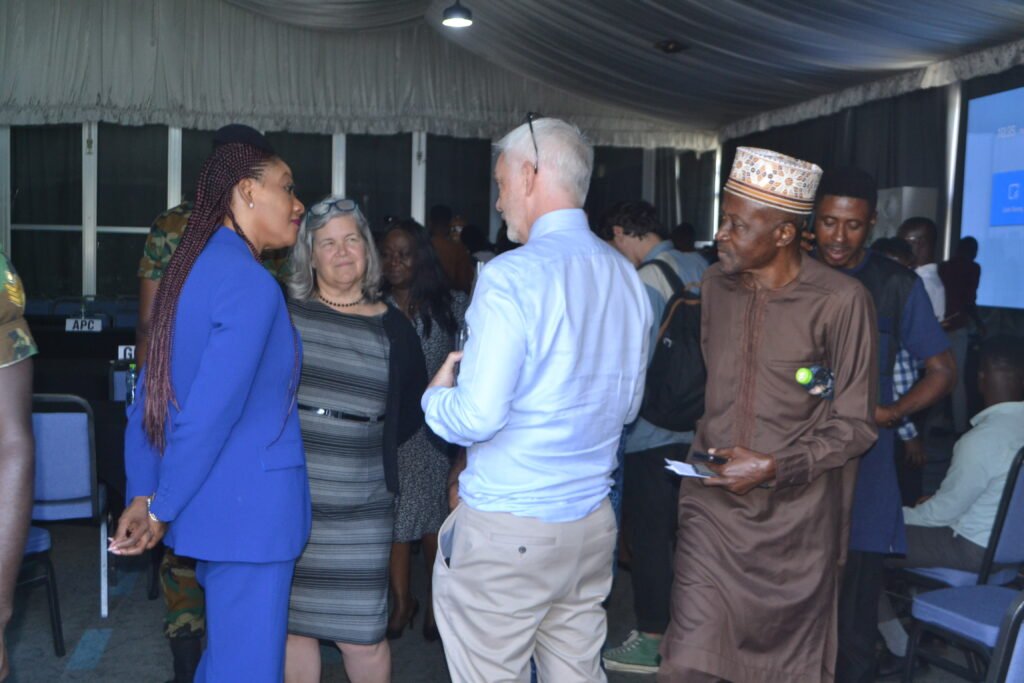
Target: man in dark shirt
[960, 276]
[844, 216]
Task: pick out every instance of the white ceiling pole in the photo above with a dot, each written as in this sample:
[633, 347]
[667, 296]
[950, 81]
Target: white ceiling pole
[90, 152]
[953, 102]
[338, 151]
[173, 166]
[5, 189]
[419, 177]
[716, 190]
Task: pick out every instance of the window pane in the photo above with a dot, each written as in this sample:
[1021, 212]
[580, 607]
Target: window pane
[309, 156]
[117, 263]
[132, 168]
[195, 147]
[49, 262]
[617, 177]
[459, 176]
[46, 175]
[378, 175]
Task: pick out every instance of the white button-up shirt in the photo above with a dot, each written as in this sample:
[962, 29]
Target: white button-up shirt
[968, 498]
[554, 366]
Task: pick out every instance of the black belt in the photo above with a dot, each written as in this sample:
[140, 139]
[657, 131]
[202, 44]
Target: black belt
[338, 415]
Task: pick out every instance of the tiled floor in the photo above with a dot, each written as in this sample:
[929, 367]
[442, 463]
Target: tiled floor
[128, 647]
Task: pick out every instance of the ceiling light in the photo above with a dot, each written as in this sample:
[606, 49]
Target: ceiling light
[671, 46]
[457, 16]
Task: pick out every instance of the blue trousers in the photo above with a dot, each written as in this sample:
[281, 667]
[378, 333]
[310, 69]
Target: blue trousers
[246, 620]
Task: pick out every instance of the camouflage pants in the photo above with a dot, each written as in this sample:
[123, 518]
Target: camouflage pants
[184, 597]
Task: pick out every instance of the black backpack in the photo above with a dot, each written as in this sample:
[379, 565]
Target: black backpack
[674, 391]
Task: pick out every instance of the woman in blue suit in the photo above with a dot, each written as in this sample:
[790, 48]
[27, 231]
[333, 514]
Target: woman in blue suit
[213, 451]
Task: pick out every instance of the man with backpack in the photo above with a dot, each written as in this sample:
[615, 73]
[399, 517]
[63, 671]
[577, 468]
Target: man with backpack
[672, 281]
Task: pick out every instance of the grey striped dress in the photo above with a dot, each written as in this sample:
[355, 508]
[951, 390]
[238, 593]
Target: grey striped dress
[340, 587]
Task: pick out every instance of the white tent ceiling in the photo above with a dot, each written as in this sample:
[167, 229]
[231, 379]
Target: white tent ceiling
[745, 57]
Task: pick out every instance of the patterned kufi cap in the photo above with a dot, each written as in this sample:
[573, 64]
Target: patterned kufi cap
[774, 179]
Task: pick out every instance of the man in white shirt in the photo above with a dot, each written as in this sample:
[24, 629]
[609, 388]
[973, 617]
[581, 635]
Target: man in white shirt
[554, 366]
[951, 528]
[921, 234]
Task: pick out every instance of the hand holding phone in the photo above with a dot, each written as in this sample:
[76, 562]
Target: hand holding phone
[707, 457]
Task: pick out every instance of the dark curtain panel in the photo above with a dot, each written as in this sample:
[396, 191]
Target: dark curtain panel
[195, 147]
[697, 189]
[117, 263]
[459, 176]
[665, 187]
[132, 191]
[378, 175]
[132, 175]
[617, 177]
[309, 156]
[900, 141]
[704, 219]
[49, 263]
[46, 175]
[46, 188]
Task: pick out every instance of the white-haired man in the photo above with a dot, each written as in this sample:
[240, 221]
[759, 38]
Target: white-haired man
[553, 368]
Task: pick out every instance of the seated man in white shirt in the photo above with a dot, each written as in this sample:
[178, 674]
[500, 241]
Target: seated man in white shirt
[553, 367]
[952, 528]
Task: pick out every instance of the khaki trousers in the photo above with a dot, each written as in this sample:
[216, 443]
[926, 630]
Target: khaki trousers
[507, 588]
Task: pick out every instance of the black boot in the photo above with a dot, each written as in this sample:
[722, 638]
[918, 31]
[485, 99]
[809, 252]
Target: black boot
[186, 653]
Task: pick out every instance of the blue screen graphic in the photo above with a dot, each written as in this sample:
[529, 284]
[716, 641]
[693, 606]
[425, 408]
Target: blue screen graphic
[993, 195]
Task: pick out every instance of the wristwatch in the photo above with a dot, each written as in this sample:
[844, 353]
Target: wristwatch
[149, 508]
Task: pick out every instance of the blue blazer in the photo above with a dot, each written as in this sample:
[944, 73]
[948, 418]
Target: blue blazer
[232, 478]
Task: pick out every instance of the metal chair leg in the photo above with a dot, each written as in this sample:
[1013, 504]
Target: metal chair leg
[54, 601]
[104, 593]
[915, 640]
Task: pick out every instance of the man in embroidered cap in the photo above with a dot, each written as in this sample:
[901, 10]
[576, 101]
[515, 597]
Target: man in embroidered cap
[761, 544]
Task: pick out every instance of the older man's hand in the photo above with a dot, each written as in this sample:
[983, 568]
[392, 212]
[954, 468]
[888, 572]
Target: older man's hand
[745, 470]
[445, 376]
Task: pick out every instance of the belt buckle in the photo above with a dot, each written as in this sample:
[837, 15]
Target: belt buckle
[323, 412]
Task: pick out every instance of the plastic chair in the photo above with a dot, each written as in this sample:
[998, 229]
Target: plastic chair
[968, 617]
[1008, 661]
[65, 481]
[1005, 545]
[37, 554]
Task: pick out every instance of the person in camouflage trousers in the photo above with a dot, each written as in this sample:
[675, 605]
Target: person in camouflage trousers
[16, 443]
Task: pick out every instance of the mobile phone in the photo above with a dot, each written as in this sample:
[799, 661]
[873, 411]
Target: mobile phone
[707, 457]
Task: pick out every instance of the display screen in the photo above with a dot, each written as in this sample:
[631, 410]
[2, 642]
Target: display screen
[993, 195]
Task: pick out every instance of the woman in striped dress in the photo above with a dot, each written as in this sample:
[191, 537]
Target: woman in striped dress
[362, 377]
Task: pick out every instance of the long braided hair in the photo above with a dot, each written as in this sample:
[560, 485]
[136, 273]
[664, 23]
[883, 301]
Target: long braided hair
[223, 169]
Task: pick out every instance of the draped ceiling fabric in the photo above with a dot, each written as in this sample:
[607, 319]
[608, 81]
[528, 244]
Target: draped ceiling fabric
[387, 66]
[204, 63]
[746, 57]
[339, 14]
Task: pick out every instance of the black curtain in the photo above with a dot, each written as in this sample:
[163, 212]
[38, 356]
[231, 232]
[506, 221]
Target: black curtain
[459, 176]
[666, 191]
[901, 141]
[696, 191]
[378, 171]
[131, 174]
[46, 186]
[617, 177]
[309, 156]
